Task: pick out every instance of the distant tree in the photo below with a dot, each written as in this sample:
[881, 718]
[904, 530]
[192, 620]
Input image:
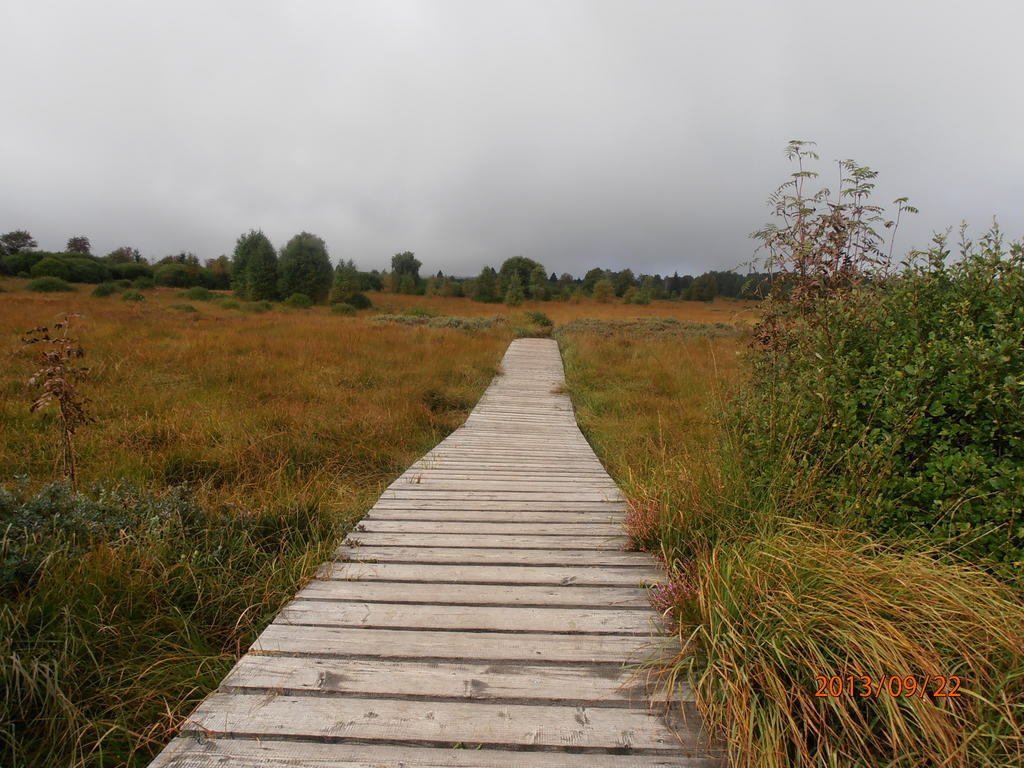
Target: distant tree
[185, 257]
[403, 264]
[704, 288]
[604, 290]
[518, 265]
[623, 280]
[305, 267]
[125, 255]
[539, 284]
[254, 267]
[177, 274]
[16, 241]
[514, 295]
[565, 286]
[79, 244]
[407, 284]
[346, 288]
[217, 273]
[591, 279]
[553, 279]
[485, 287]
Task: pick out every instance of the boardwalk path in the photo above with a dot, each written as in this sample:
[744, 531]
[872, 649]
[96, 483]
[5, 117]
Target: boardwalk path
[484, 600]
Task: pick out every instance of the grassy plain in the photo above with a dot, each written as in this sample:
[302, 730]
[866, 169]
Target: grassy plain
[284, 426]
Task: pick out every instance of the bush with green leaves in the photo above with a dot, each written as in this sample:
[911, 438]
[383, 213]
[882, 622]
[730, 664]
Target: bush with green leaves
[257, 306]
[298, 301]
[254, 275]
[343, 309]
[103, 290]
[49, 285]
[143, 283]
[182, 308]
[132, 296]
[890, 401]
[198, 293]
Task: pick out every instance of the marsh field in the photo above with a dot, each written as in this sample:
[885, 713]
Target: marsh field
[233, 446]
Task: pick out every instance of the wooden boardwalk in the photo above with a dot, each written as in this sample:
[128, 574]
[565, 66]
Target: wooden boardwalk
[482, 614]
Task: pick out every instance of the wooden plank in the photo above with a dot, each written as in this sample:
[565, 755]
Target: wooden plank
[323, 613]
[483, 516]
[188, 752]
[491, 574]
[557, 648]
[493, 556]
[595, 528]
[339, 719]
[475, 594]
[578, 684]
[468, 540]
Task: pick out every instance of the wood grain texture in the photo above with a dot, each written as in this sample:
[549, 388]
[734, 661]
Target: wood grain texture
[486, 612]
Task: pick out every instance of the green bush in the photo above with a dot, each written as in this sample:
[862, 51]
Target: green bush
[198, 293]
[358, 300]
[176, 275]
[49, 285]
[52, 266]
[228, 303]
[122, 285]
[538, 318]
[103, 290]
[132, 296]
[343, 309]
[183, 308]
[129, 270]
[298, 301]
[143, 283]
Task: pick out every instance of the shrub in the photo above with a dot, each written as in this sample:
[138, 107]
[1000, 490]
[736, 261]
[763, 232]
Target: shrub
[183, 308]
[130, 270]
[604, 290]
[343, 309]
[122, 285]
[198, 293]
[52, 266]
[49, 285]
[358, 300]
[305, 268]
[539, 318]
[143, 283]
[103, 290]
[132, 296]
[226, 303]
[299, 301]
[88, 270]
[256, 306]
[176, 275]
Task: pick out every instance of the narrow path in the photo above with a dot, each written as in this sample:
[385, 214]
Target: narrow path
[482, 614]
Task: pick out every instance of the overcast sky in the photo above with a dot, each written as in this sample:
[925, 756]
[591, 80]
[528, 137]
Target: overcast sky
[643, 133]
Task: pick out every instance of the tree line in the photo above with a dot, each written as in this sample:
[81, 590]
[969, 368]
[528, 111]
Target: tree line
[257, 271]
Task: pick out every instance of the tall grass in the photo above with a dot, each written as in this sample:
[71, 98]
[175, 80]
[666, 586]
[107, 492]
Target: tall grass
[231, 453]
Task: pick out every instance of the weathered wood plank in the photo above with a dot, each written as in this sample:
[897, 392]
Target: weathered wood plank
[491, 574]
[502, 541]
[579, 684]
[324, 613]
[470, 515]
[557, 648]
[475, 594]
[440, 722]
[189, 752]
[604, 558]
[504, 506]
[595, 528]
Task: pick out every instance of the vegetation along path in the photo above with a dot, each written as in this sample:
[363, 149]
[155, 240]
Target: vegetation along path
[484, 613]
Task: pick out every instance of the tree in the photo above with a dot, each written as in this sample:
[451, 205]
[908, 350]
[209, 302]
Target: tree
[624, 280]
[539, 284]
[485, 287]
[305, 267]
[17, 241]
[254, 269]
[704, 288]
[403, 264]
[514, 295]
[591, 279]
[604, 290]
[79, 244]
[125, 255]
[518, 265]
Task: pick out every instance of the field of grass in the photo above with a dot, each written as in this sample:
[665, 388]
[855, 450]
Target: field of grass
[233, 448]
